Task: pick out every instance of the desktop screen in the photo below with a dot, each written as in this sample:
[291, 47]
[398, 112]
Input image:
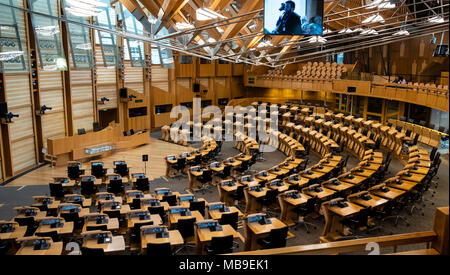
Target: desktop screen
[293, 17]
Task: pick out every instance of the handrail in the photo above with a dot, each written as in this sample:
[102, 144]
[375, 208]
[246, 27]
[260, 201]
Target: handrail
[347, 246]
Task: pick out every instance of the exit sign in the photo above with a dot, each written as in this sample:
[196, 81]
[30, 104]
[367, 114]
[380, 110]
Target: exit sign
[251, 80]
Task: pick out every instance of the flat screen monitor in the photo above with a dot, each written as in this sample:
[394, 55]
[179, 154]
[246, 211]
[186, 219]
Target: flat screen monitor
[293, 17]
[441, 51]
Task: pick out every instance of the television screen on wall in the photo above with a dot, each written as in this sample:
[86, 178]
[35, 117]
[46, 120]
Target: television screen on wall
[293, 17]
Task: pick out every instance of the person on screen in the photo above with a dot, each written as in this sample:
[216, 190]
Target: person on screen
[289, 22]
[315, 26]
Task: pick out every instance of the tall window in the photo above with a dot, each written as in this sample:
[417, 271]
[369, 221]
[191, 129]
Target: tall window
[108, 42]
[13, 47]
[80, 41]
[133, 47]
[48, 35]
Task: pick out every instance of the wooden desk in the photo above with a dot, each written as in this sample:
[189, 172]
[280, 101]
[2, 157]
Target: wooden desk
[155, 218]
[173, 218]
[226, 192]
[355, 181]
[56, 248]
[301, 182]
[253, 205]
[174, 239]
[325, 169]
[124, 209]
[203, 236]
[269, 177]
[287, 215]
[365, 173]
[216, 214]
[187, 204]
[372, 166]
[39, 215]
[373, 203]
[351, 209]
[117, 245]
[315, 175]
[404, 185]
[324, 195]
[66, 229]
[420, 170]
[112, 225]
[256, 231]
[342, 186]
[19, 232]
[392, 194]
[414, 177]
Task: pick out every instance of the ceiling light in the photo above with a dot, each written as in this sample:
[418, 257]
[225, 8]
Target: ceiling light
[380, 4]
[436, 19]
[211, 40]
[85, 8]
[220, 30]
[207, 14]
[317, 39]
[373, 19]
[327, 31]
[346, 30]
[358, 30]
[264, 44]
[401, 32]
[369, 31]
[183, 26]
[85, 46]
[5, 56]
[47, 30]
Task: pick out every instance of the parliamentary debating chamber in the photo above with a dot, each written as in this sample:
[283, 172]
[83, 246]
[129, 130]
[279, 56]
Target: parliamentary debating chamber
[210, 127]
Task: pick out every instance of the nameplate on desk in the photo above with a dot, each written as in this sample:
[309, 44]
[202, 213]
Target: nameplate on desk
[98, 149]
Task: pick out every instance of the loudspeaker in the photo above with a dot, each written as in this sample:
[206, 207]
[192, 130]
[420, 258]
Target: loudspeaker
[131, 132]
[96, 126]
[3, 109]
[81, 131]
[196, 87]
[123, 93]
[351, 89]
[144, 158]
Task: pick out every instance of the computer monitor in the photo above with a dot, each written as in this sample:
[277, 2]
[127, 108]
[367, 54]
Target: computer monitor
[293, 17]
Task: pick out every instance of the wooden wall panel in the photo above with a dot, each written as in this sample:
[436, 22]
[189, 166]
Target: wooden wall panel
[21, 132]
[23, 154]
[17, 90]
[82, 102]
[48, 130]
[134, 77]
[108, 91]
[106, 82]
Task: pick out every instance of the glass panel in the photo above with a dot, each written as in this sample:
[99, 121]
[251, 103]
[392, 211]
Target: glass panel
[166, 54]
[392, 106]
[134, 47]
[155, 57]
[186, 59]
[107, 19]
[374, 105]
[47, 33]
[372, 117]
[358, 105]
[205, 61]
[13, 47]
[80, 41]
[223, 61]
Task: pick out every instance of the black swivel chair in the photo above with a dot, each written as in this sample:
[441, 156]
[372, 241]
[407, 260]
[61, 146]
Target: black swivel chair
[441, 129]
[198, 206]
[170, 199]
[180, 166]
[238, 195]
[92, 251]
[56, 190]
[159, 249]
[158, 210]
[136, 231]
[360, 220]
[121, 170]
[230, 218]
[187, 230]
[116, 187]
[115, 213]
[243, 167]
[29, 223]
[226, 172]
[73, 217]
[276, 239]
[74, 172]
[269, 199]
[412, 142]
[303, 210]
[205, 179]
[136, 204]
[98, 171]
[102, 227]
[142, 185]
[220, 245]
[433, 153]
[51, 234]
[87, 188]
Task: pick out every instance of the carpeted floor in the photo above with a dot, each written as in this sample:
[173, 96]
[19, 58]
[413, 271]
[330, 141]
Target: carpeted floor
[11, 197]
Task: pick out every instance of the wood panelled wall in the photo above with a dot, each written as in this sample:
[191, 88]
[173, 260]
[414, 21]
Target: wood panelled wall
[176, 86]
[409, 57]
